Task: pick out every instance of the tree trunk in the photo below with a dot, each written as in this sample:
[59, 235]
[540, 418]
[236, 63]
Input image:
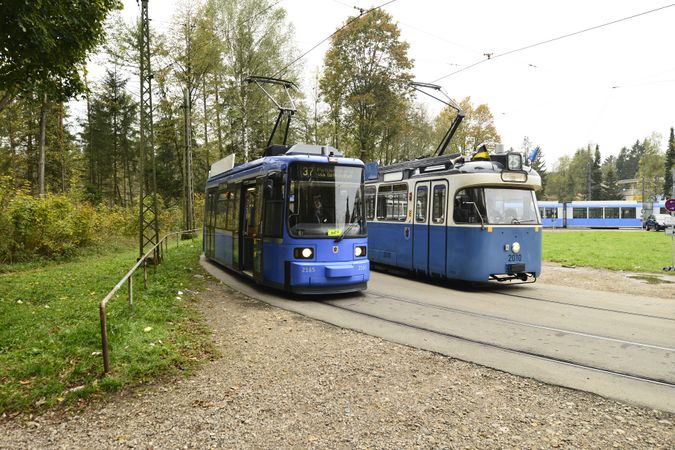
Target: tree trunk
[43, 132]
[206, 127]
[5, 100]
[221, 152]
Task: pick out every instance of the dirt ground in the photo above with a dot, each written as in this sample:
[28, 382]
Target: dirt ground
[660, 285]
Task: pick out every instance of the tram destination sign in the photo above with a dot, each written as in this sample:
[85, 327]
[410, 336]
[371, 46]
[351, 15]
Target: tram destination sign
[670, 204]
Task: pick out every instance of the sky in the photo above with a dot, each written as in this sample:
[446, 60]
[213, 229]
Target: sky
[609, 86]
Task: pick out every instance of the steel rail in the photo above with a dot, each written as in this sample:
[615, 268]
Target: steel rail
[518, 322]
[128, 278]
[533, 354]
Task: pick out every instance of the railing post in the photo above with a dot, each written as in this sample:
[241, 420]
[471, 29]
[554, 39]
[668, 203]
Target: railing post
[131, 290]
[104, 340]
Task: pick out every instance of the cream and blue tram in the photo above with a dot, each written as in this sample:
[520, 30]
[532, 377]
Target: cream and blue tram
[462, 220]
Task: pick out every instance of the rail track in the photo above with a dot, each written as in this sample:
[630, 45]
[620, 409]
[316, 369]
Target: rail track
[490, 320]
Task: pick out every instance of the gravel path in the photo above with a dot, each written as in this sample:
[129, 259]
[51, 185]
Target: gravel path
[286, 381]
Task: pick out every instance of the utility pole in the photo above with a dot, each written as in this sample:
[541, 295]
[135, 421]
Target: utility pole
[149, 217]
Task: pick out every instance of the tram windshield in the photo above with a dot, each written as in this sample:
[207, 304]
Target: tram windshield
[495, 206]
[326, 200]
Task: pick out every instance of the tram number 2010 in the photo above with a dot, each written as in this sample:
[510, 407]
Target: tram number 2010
[515, 258]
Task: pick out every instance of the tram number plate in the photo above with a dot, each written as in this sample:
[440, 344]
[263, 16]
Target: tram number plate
[515, 258]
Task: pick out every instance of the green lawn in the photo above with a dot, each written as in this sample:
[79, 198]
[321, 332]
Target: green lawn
[50, 339]
[638, 251]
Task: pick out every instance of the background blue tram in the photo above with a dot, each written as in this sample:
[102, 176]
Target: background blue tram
[443, 217]
[294, 221]
[596, 213]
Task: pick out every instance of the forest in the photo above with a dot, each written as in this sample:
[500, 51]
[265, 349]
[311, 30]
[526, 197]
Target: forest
[69, 146]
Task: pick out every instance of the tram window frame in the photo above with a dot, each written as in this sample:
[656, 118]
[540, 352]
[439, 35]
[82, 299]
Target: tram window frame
[577, 213]
[464, 213]
[370, 194]
[273, 201]
[629, 213]
[436, 218]
[595, 213]
[221, 210]
[392, 202]
[612, 213]
[549, 212]
[421, 209]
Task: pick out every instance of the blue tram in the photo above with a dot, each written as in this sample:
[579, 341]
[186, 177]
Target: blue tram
[595, 213]
[294, 221]
[464, 220]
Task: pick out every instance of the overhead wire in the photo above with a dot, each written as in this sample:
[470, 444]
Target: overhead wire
[349, 22]
[548, 41]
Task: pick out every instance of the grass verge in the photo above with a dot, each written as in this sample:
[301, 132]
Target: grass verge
[617, 250]
[50, 338]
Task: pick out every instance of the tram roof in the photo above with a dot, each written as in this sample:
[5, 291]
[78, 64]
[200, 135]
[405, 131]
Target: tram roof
[296, 153]
[445, 165]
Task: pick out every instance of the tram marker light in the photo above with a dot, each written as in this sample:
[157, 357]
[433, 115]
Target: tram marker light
[515, 247]
[359, 251]
[514, 161]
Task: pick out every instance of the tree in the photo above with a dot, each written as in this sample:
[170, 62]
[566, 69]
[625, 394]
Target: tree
[44, 43]
[650, 167]
[477, 127]
[367, 70]
[669, 165]
[611, 190]
[560, 185]
[596, 175]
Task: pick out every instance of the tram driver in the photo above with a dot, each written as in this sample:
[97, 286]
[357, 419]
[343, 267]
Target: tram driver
[320, 215]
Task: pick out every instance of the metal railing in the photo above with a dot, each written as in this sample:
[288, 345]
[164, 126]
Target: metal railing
[156, 251]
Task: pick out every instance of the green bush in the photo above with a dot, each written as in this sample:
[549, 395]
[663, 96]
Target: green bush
[55, 226]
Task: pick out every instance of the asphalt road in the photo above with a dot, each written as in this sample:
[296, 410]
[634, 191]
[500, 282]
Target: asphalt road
[617, 346]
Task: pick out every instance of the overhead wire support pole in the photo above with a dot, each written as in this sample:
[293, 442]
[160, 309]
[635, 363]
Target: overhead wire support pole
[148, 213]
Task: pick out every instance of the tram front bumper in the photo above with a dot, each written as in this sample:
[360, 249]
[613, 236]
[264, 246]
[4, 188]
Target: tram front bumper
[317, 274]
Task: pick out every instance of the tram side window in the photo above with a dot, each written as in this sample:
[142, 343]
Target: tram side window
[392, 202]
[550, 213]
[628, 213]
[611, 213]
[438, 213]
[469, 206]
[234, 216]
[421, 205]
[274, 207]
[221, 206]
[579, 213]
[595, 213]
[370, 202]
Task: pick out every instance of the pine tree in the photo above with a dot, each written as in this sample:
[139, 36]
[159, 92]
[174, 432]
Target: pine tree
[596, 176]
[540, 166]
[670, 163]
[610, 188]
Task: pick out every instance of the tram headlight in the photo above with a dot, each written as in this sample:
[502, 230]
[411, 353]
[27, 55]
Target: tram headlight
[303, 253]
[515, 247]
[359, 251]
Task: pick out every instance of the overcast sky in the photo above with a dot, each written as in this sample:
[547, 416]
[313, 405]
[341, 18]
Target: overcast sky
[608, 86]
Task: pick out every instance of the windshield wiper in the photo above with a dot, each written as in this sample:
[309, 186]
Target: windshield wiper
[346, 230]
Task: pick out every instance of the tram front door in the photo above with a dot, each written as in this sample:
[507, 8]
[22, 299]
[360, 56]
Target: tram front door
[430, 227]
[249, 228]
[251, 242]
